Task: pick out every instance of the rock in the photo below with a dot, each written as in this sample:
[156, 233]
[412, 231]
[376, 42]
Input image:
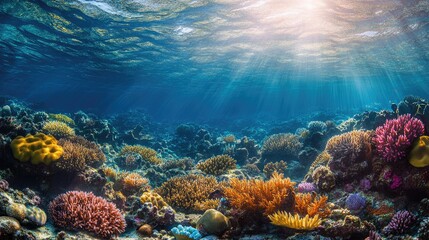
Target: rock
[213, 222]
[8, 226]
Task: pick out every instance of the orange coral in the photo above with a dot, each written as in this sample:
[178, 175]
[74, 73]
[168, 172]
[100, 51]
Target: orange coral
[311, 204]
[382, 210]
[261, 197]
[134, 181]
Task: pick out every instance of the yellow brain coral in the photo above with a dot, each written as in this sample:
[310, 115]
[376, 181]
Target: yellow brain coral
[154, 198]
[58, 129]
[38, 148]
[217, 165]
[419, 155]
[285, 219]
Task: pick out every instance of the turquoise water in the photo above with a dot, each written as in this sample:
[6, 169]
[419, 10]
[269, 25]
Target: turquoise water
[199, 60]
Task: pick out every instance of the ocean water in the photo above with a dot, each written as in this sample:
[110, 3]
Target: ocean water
[202, 84]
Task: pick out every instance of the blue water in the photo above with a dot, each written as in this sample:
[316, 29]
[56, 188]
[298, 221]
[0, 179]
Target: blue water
[194, 60]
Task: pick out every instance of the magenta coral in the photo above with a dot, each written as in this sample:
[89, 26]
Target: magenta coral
[85, 211]
[395, 137]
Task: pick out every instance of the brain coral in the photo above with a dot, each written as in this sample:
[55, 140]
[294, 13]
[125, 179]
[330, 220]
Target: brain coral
[85, 211]
[58, 129]
[154, 198]
[40, 148]
[185, 191]
[283, 146]
[394, 138]
[217, 165]
[79, 153]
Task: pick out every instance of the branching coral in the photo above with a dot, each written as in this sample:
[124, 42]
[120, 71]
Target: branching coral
[394, 138]
[285, 219]
[62, 118]
[259, 197]
[311, 204]
[401, 222]
[58, 129]
[272, 167]
[79, 153]
[217, 165]
[183, 192]
[133, 181]
[85, 211]
[147, 154]
[207, 204]
[281, 147]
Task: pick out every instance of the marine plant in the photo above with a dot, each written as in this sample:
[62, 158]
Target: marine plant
[285, 219]
[261, 197]
[394, 139]
[147, 154]
[85, 211]
[283, 146]
[184, 191]
[217, 165]
[38, 148]
[58, 129]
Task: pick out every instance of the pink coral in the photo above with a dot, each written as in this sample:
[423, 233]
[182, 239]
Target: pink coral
[85, 211]
[395, 137]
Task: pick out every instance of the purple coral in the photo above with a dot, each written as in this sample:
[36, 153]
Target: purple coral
[395, 137]
[306, 187]
[365, 185]
[395, 181]
[401, 222]
[355, 202]
[4, 185]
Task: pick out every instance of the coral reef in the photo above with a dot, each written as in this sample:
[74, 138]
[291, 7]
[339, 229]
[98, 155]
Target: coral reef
[85, 211]
[217, 165]
[271, 167]
[145, 153]
[58, 129]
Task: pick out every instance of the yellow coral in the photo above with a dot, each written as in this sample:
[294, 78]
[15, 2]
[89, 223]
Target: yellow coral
[285, 219]
[58, 129]
[419, 155]
[62, 118]
[110, 173]
[40, 148]
[147, 154]
[217, 165]
[207, 204]
[154, 198]
[183, 192]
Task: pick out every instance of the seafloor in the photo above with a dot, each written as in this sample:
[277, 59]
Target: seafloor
[325, 176]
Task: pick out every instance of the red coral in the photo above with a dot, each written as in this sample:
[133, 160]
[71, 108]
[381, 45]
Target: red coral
[85, 211]
[395, 137]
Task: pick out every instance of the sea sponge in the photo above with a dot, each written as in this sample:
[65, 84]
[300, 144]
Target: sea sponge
[40, 148]
[58, 129]
[85, 211]
[283, 146]
[272, 167]
[217, 165]
[419, 155]
[147, 154]
[261, 198]
[285, 219]
[153, 198]
[395, 137]
[213, 222]
[324, 178]
[62, 118]
[183, 192]
[79, 153]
